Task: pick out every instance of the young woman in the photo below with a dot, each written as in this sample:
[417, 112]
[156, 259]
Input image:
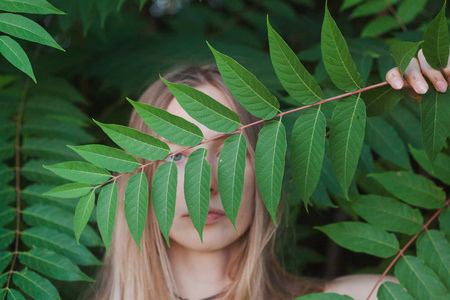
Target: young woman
[226, 265]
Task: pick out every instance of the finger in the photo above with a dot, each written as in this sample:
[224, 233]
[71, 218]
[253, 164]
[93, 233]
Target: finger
[414, 77]
[433, 75]
[394, 78]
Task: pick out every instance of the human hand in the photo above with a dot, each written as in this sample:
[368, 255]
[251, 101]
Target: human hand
[415, 84]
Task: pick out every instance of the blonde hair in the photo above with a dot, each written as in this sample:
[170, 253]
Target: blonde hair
[254, 269]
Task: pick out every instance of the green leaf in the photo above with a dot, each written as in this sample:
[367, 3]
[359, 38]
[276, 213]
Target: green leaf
[203, 108]
[164, 196]
[5, 259]
[106, 213]
[197, 178]
[307, 150]
[247, 89]
[52, 128]
[444, 222]
[412, 188]
[435, 117]
[379, 26]
[409, 9]
[420, 281]
[269, 164]
[295, 79]
[80, 172]
[70, 190]
[52, 265]
[7, 195]
[336, 57]
[403, 53]
[44, 237]
[440, 169]
[346, 138]
[386, 142]
[107, 157]
[29, 7]
[434, 249]
[33, 194]
[24, 28]
[370, 7]
[14, 295]
[136, 142]
[82, 213]
[6, 174]
[393, 291]
[362, 237]
[388, 213]
[171, 127]
[6, 150]
[12, 51]
[53, 149]
[35, 286]
[436, 41]
[7, 214]
[60, 219]
[324, 296]
[231, 175]
[33, 170]
[136, 203]
[349, 3]
[6, 238]
[380, 100]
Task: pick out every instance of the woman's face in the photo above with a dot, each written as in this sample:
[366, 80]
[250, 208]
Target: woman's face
[218, 232]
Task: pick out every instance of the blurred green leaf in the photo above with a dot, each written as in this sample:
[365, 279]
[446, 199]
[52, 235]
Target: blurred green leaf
[362, 237]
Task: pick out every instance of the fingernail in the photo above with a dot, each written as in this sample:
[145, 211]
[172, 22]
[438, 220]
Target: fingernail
[421, 87]
[397, 84]
[441, 86]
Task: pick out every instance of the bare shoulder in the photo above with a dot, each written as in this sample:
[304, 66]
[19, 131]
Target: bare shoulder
[356, 286]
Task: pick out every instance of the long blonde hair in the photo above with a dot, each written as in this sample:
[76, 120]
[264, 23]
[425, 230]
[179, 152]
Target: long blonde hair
[254, 269]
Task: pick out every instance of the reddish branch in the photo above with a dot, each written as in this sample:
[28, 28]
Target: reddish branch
[17, 173]
[436, 214]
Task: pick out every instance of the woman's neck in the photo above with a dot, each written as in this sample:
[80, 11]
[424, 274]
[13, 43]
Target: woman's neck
[199, 274]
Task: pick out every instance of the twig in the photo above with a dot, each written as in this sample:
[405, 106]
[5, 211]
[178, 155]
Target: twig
[436, 214]
[394, 13]
[17, 171]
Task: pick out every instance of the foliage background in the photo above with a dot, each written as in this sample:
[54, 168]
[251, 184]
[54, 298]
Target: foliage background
[113, 53]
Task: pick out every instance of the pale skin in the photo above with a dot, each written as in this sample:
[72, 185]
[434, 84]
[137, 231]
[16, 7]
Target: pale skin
[199, 269]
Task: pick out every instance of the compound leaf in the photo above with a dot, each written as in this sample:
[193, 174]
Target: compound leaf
[204, 108]
[107, 157]
[197, 188]
[171, 127]
[307, 150]
[247, 89]
[136, 142]
[164, 196]
[362, 237]
[269, 164]
[295, 79]
[346, 138]
[336, 56]
[231, 171]
[106, 212]
[436, 41]
[136, 205]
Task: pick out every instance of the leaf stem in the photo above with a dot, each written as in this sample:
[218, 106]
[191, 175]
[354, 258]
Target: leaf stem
[394, 13]
[17, 171]
[436, 214]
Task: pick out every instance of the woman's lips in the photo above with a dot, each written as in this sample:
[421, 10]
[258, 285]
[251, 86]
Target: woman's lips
[214, 215]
